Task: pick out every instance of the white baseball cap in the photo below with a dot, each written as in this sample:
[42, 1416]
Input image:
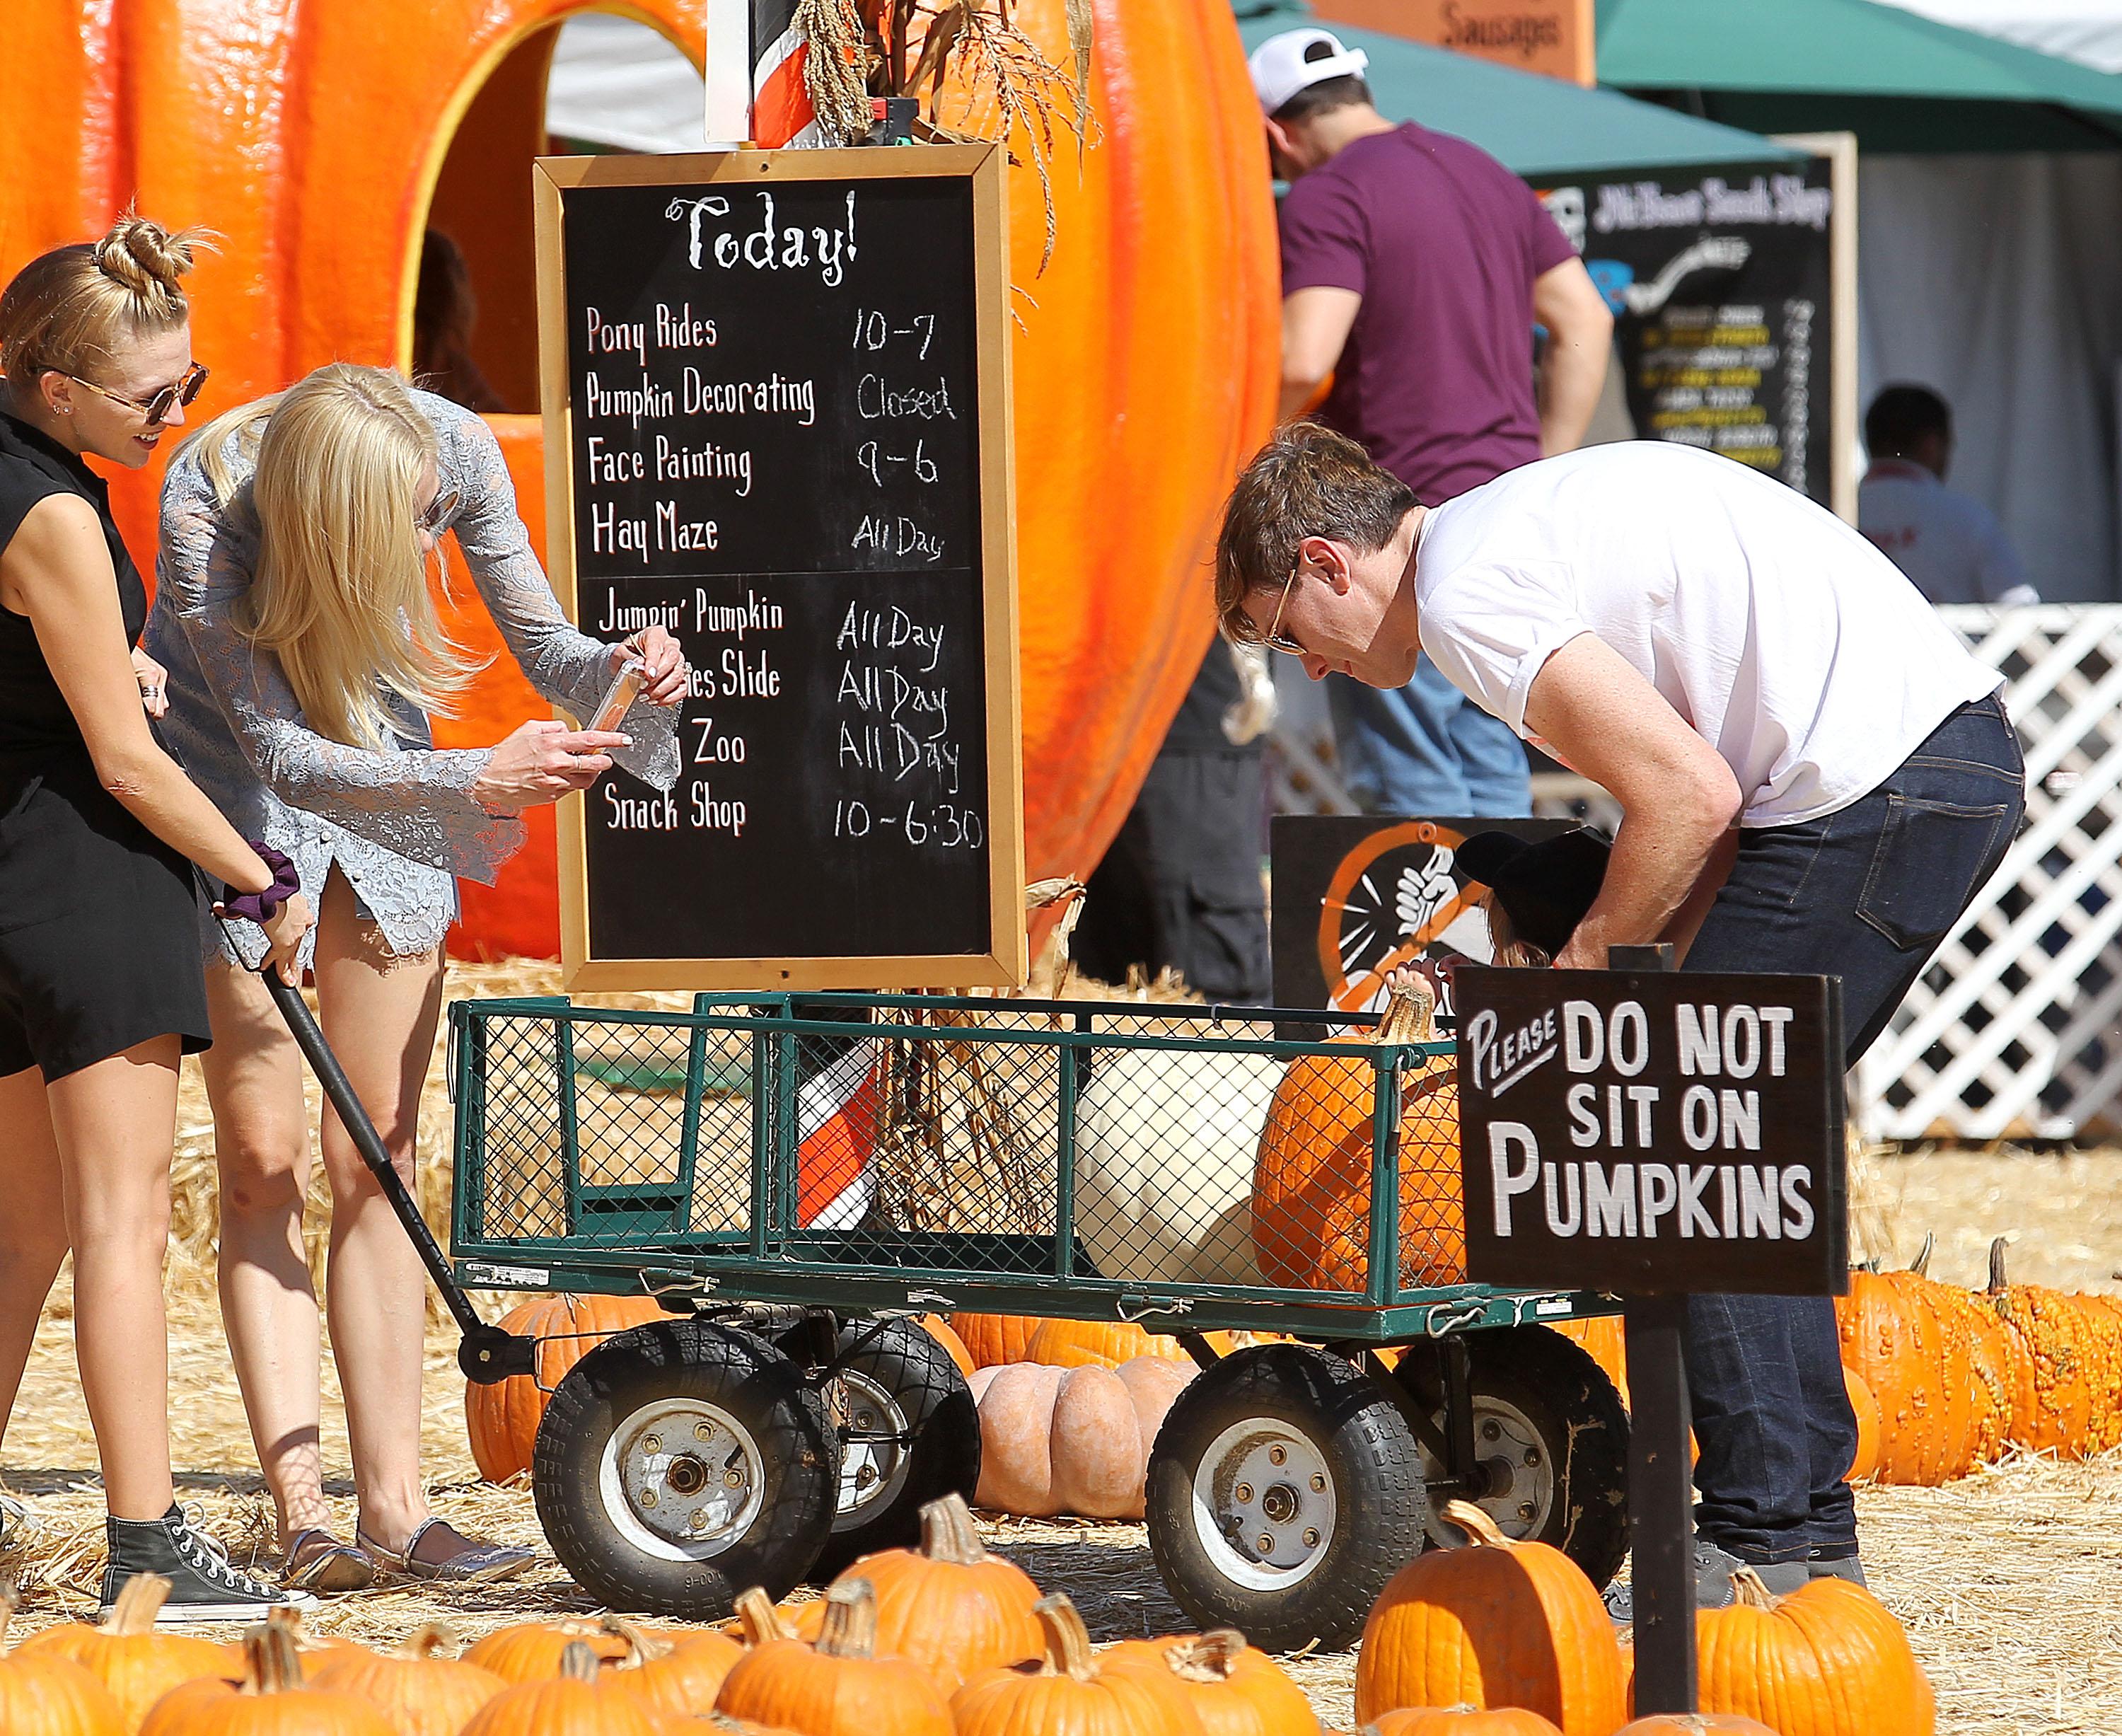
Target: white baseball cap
[1280, 69]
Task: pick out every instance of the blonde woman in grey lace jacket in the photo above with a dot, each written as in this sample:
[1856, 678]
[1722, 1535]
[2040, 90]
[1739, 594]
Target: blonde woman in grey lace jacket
[304, 657]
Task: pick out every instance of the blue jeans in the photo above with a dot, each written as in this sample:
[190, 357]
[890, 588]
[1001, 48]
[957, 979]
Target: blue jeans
[1865, 893]
[1426, 748]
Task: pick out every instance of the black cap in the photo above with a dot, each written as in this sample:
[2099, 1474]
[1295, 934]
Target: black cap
[1544, 886]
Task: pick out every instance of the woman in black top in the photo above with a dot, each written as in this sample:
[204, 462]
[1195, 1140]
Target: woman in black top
[100, 984]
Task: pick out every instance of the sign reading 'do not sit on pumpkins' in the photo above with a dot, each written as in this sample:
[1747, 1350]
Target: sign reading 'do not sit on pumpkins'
[1653, 1133]
[777, 397]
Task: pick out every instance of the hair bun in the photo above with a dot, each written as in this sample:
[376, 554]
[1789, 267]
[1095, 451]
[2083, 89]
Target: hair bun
[145, 257]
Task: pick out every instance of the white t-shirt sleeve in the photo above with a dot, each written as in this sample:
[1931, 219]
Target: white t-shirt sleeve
[1491, 629]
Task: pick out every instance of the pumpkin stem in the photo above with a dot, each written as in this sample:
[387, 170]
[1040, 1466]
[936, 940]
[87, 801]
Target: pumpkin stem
[1920, 1265]
[640, 1648]
[138, 1599]
[948, 1534]
[272, 1662]
[850, 1630]
[1476, 1522]
[426, 1640]
[1997, 1265]
[1408, 1008]
[1067, 1641]
[577, 1662]
[760, 1620]
[1748, 1589]
[1209, 1657]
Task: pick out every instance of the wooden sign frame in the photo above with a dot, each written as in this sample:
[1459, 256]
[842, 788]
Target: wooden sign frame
[1005, 962]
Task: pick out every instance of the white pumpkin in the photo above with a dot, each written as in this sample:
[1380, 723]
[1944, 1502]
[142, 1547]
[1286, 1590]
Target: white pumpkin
[1165, 1145]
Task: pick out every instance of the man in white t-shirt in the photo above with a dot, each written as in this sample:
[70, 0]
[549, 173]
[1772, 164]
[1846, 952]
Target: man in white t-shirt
[1814, 776]
[1949, 544]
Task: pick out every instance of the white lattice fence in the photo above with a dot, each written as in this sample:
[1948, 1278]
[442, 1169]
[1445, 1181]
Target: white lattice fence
[2015, 1029]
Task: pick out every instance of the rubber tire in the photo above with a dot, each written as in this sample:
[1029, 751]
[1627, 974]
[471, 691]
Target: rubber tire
[1382, 1506]
[760, 1388]
[1583, 1429]
[905, 1361]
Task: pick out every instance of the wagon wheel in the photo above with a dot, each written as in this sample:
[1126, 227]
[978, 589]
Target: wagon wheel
[1285, 1490]
[908, 1434]
[1551, 1439]
[680, 1463]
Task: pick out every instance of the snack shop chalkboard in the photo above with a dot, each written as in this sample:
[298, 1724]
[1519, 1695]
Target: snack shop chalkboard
[777, 420]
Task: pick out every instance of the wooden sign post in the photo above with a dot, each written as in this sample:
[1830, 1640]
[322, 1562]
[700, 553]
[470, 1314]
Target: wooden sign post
[777, 413]
[1654, 1136]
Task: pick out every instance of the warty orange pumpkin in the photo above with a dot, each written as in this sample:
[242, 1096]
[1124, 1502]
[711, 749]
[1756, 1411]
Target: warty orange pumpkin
[1893, 1336]
[421, 1693]
[1497, 1623]
[271, 1698]
[837, 1685]
[2055, 1380]
[948, 1605]
[1828, 1660]
[1070, 1691]
[502, 1419]
[1234, 1689]
[1312, 1184]
[137, 1663]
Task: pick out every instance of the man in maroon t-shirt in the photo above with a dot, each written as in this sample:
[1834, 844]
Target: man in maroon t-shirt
[1414, 267]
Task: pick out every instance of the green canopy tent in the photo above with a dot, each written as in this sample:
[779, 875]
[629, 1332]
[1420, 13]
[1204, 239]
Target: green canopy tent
[1900, 82]
[1540, 128]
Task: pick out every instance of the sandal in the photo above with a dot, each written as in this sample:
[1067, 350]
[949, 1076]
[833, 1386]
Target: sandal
[316, 1560]
[467, 1561]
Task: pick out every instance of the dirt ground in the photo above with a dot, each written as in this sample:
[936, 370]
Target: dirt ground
[2009, 1582]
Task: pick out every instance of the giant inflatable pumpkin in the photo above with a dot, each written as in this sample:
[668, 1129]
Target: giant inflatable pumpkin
[319, 137]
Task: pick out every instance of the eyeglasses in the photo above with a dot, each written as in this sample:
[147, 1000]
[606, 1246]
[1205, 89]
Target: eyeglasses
[1273, 638]
[437, 513]
[157, 409]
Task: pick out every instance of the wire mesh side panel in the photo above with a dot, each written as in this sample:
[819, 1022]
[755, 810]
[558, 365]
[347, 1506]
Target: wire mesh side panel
[610, 1132]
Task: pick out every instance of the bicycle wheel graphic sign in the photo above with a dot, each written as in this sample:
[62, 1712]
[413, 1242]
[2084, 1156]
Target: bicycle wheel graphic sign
[1355, 898]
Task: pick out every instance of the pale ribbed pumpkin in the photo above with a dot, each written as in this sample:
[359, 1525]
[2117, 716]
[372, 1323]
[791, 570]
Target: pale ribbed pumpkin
[1497, 1623]
[1233, 1689]
[502, 1419]
[127, 1655]
[1828, 1660]
[1071, 1440]
[1311, 1182]
[948, 1605]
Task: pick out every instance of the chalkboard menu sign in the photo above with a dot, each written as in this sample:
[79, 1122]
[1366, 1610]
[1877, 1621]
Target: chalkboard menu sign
[1653, 1133]
[1721, 283]
[776, 397]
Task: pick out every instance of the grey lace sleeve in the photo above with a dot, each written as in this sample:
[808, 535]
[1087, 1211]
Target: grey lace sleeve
[570, 668]
[417, 803]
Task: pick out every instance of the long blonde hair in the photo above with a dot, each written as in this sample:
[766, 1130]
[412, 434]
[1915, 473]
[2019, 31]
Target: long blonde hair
[340, 595]
[73, 310]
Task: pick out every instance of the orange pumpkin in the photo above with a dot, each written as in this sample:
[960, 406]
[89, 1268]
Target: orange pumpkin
[1311, 1183]
[1105, 1344]
[48, 1691]
[1233, 1689]
[2100, 1342]
[1693, 1724]
[1991, 1361]
[579, 1700]
[1498, 1623]
[314, 138]
[837, 1685]
[502, 1419]
[1604, 1338]
[949, 1605]
[2056, 1376]
[939, 1329]
[271, 1697]
[533, 1651]
[421, 1694]
[1070, 1689]
[1866, 1407]
[127, 1654]
[1828, 1660]
[1918, 1368]
[676, 1678]
[992, 1340]
[1461, 1721]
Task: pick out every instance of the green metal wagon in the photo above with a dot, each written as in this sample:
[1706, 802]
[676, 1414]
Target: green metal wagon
[797, 1179]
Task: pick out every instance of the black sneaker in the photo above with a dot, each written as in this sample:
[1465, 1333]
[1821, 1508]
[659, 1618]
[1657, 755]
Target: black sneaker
[203, 1586]
[1712, 1582]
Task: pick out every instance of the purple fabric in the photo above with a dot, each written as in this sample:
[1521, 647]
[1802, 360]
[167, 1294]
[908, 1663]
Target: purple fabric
[264, 906]
[1442, 242]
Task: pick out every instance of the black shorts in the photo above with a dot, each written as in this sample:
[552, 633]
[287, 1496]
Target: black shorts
[98, 927]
